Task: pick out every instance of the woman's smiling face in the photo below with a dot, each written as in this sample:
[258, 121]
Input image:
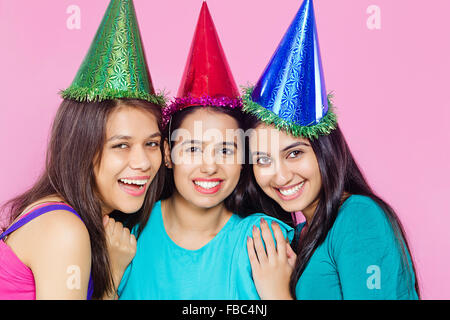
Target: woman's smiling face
[130, 159]
[286, 168]
[205, 157]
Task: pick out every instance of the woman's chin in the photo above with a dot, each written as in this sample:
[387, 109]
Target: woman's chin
[291, 206]
[130, 208]
[206, 202]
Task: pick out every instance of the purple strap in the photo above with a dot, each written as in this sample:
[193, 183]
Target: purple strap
[36, 213]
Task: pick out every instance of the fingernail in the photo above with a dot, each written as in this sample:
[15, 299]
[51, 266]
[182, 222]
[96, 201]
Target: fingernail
[249, 239]
[254, 229]
[263, 221]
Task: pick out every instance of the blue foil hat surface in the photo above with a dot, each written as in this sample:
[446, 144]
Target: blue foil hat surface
[291, 92]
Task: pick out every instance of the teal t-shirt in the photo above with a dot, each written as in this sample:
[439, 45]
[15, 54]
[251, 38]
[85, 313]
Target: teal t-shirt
[359, 259]
[220, 270]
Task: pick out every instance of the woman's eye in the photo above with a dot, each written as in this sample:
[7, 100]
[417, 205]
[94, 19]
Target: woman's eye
[193, 149]
[120, 146]
[153, 144]
[263, 161]
[227, 152]
[295, 154]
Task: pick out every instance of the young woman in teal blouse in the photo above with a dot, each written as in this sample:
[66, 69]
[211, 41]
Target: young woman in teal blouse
[194, 243]
[352, 245]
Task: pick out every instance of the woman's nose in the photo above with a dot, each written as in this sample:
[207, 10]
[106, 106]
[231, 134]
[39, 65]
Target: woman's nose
[139, 159]
[208, 165]
[283, 175]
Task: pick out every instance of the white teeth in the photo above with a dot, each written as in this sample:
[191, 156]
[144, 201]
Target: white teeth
[290, 192]
[207, 185]
[136, 182]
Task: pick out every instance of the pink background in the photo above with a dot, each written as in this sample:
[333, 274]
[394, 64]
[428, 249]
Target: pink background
[389, 87]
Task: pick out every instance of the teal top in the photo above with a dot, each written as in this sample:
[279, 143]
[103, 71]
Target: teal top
[359, 259]
[220, 270]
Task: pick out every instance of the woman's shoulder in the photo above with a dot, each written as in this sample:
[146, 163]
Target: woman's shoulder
[57, 214]
[358, 200]
[361, 215]
[60, 246]
[53, 233]
[155, 214]
[62, 219]
[358, 207]
[254, 219]
[61, 227]
[51, 214]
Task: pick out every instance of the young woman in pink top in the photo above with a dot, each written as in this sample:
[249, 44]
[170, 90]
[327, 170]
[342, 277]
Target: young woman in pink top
[104, 155]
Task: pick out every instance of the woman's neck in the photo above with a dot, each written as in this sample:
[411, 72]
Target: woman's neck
[311, 210]
[191, 226]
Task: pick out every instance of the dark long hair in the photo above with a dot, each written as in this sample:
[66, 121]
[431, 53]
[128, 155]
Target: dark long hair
[77, 137]
[340, 175]
[235, 202]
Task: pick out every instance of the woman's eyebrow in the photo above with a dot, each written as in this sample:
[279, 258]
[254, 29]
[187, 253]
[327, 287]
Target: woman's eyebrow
[155, 135]
[295, 144]
[191, 142]
[226, 143]
[125, 137]
[259, 153]
[119, 137]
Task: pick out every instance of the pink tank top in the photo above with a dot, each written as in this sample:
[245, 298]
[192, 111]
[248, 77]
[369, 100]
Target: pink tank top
[16, 279]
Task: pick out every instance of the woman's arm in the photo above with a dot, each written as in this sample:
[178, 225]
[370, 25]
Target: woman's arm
[59, 254]
[368, 256]
[271, 267]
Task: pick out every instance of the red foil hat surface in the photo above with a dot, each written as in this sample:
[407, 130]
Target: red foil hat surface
[207, 78]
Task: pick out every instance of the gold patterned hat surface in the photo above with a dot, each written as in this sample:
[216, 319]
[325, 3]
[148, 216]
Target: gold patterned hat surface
[115, 65]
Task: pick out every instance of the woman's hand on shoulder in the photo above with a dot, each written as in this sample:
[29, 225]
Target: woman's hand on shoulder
[121, 247]
[271, 266]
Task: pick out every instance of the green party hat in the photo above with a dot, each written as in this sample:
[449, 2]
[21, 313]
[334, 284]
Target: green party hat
[115, 65]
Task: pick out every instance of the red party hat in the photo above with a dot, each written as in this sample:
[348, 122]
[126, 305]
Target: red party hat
[207, 78]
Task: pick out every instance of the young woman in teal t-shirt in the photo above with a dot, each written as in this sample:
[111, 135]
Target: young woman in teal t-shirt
[352, 245]
[194, 243]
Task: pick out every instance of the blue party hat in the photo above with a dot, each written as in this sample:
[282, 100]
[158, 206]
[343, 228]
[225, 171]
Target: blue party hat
[291, 92]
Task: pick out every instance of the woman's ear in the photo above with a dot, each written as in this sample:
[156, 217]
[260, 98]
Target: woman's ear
[167, 158]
